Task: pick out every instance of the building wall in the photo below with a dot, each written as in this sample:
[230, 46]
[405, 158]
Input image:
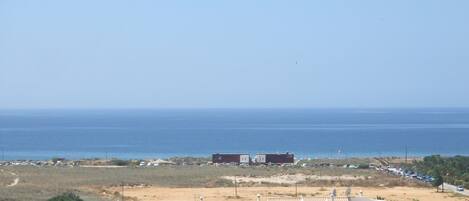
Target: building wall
[275, 158]
[230, 158]
[259, 158]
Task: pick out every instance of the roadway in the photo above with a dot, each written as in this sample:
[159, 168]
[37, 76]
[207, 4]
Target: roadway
[454, 189]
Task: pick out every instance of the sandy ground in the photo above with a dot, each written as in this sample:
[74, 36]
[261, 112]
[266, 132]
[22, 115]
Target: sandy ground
[16, 179]
[249, 193]
[291, 179]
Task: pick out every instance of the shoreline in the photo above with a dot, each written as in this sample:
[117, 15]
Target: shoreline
[208, 157]
[47, 155]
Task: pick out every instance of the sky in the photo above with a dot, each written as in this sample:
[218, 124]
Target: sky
[234, 54]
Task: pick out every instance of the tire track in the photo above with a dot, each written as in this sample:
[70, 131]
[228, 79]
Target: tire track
[15, 181]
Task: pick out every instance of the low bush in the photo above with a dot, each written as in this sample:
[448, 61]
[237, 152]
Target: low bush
[120, 162]
[363, 166]
[66, 197]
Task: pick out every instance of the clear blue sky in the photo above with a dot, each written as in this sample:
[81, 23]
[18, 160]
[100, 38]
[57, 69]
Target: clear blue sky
[159, 54]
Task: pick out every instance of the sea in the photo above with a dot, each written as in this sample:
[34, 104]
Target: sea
[163, 133]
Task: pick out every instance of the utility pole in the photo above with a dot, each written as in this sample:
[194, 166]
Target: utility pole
[236, 187]
[2, 144]
[406, 154]
[296, 189]
[122, 192]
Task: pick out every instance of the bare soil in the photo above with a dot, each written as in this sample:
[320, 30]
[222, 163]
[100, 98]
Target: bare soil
[249, 193]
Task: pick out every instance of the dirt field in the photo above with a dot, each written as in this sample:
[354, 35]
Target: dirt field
[249, 193]
[41, 183]
[214, 183]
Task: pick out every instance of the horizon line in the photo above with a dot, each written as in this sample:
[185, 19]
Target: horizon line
[229, 108]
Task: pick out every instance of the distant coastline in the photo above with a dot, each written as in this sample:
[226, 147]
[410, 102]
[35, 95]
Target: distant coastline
[143, 156]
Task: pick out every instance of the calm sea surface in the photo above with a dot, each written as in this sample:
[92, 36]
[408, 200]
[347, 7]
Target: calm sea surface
[42, 134]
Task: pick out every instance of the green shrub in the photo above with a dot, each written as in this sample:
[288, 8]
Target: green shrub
[363, 166]
[458, 182]
[66, 197]
[120, 162]
[6, 199]
[466, 185]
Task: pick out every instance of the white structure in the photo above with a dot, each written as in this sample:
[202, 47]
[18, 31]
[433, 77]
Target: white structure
[260, 158]
[158, 162]
[244, 159]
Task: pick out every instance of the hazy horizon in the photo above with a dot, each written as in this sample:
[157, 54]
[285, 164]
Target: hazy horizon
[243, 54]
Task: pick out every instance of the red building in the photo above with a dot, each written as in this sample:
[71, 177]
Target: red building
[231, 158]
[285, 158]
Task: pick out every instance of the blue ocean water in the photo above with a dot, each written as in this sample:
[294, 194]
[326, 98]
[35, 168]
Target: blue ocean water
[42, 134]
